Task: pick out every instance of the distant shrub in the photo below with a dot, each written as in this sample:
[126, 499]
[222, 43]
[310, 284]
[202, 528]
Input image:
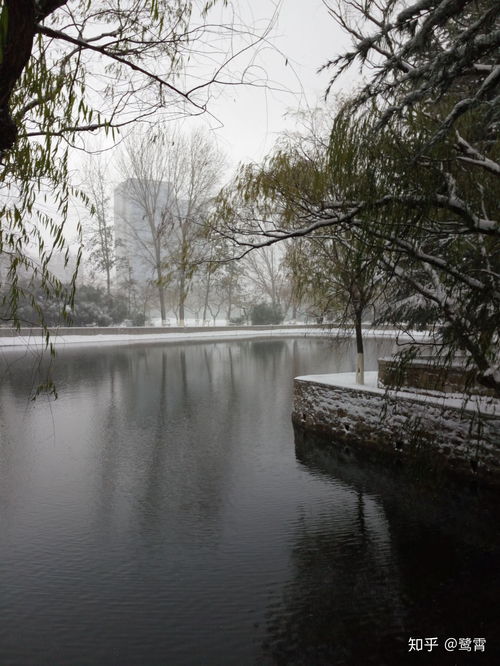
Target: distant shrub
[265, 313]
[92, 307]
[138, 319]
[237, 321]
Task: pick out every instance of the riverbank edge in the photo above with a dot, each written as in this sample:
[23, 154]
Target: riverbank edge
[439, 434]
[34, 338]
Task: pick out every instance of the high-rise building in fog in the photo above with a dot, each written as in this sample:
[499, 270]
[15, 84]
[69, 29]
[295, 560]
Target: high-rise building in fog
[136, 203]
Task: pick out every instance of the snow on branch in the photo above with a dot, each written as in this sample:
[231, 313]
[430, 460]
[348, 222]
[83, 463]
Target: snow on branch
[474, 157]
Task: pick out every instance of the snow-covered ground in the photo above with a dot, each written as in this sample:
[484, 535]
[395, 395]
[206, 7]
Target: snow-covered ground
[187, 335]
[483, 404]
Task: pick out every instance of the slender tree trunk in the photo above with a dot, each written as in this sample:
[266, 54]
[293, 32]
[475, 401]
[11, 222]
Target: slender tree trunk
[182, 296]
[161, 287]
[129, 290]
[274, 295]
[108, 257]
[230, 301]
[163, 310]
[360, 357]
[207, 293]
[161, 297]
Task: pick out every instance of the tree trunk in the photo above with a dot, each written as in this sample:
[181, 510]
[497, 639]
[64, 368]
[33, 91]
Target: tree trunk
[18, 21]
[360, 357]
[230, 302]
[182, 297]
[161, 286]
[207, 293]
[163, 310]
[108, 281]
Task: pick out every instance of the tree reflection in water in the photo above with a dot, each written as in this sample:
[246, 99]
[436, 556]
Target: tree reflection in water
[157, 513]
[393, 558]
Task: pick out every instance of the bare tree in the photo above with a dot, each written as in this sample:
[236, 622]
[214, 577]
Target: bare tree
[267, 273]
[194, 167]
[140, 220]
[168, 183]
[73, 67]
[98, 232]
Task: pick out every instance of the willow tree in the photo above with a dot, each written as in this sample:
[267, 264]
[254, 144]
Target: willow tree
[335, 267]
[434, 88]
[416, 157]
[73, 67]
[338, 275]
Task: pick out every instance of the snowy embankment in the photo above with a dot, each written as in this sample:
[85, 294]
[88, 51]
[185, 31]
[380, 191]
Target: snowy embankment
[443, 431]
[425, 397]
[121, 336]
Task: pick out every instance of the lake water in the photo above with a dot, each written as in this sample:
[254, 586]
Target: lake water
[161, 511]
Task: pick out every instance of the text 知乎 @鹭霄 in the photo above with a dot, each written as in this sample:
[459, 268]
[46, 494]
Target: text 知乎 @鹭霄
[449, 644]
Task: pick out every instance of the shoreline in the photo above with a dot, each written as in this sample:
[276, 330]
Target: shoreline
[435, 432]
[33, 338]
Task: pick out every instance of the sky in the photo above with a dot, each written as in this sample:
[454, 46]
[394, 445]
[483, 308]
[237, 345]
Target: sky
[303, 38]
[300, 38]
[246, 119]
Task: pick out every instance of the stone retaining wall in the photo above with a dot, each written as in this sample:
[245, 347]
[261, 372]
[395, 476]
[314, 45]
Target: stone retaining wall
[410, 428]
[427, 374]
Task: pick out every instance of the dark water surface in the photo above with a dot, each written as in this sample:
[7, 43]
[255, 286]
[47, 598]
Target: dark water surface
[161, 512]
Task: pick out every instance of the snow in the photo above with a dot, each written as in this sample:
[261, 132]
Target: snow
[187, 335]
[494, 373]
[128, 338]
[343, 379]
[483, 404]
[462, 434]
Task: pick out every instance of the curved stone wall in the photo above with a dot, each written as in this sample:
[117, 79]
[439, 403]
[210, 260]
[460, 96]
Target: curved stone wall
[440, 433]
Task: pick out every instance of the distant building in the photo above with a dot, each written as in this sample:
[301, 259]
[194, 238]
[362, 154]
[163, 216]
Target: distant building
[65, 273]
[133, 200]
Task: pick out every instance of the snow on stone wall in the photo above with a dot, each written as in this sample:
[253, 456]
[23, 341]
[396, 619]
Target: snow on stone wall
[412, 427]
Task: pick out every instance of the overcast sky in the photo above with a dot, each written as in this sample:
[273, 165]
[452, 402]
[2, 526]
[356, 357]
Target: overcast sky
[304, 35]
[246, 120]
